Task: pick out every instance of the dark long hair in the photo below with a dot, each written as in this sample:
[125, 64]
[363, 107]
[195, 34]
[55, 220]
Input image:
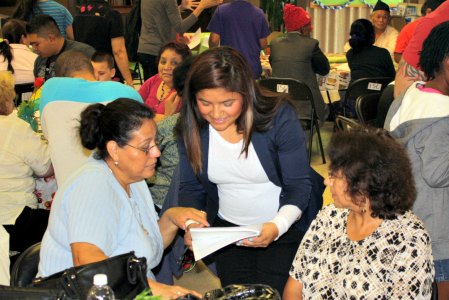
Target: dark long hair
[13, 30]
[115, 121]
[362, 35]
[5, 50]
[224, 67]
[25, 9]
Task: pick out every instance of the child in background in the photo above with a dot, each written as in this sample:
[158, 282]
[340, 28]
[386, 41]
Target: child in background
[104, 67]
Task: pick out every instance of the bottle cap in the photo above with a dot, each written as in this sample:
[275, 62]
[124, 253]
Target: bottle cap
[100, 279]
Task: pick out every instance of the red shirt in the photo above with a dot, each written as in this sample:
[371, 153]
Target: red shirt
[422, 31]
[405, 36]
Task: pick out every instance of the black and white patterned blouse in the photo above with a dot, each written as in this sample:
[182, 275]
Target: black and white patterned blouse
[394, 262]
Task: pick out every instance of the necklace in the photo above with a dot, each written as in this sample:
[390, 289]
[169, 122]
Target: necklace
[134, 207]
[162, 92]
[139, 217]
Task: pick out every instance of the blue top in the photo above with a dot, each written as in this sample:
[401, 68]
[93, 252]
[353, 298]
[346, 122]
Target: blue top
[84, 91]
[92, 207]
[58, 12]
[241, 25]
[282, 153]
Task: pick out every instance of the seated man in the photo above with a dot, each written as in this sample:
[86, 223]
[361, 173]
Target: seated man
[48, 43]
[100, 26]
[385, 35]
[60, 108]
[104, 67]
[298, 56]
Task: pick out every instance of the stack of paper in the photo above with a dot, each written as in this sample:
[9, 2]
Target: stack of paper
[209, 239]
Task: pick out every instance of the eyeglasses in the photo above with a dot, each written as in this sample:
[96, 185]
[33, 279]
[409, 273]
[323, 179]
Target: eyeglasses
[331, 175]
[144, 150]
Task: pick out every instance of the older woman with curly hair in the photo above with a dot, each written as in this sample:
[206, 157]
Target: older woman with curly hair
[368, 244]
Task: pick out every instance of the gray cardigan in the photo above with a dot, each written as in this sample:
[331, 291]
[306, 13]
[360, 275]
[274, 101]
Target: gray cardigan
[161, 20]
[420, 121]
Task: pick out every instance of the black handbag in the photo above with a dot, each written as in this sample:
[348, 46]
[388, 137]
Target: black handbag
[127, 276]
[243, 291]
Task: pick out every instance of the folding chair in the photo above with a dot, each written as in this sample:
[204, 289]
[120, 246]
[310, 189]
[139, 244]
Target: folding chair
[347, 124]
[23, 91]
[366, 108]
[300, 93]
[363, 86]
[386, 98]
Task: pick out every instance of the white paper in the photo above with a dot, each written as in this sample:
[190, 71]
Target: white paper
[207, 240]
[195, 39]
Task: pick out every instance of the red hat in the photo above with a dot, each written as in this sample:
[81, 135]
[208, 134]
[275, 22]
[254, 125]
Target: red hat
[295, 17]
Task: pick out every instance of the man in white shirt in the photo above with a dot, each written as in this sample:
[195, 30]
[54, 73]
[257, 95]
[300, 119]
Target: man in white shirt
[385, 35]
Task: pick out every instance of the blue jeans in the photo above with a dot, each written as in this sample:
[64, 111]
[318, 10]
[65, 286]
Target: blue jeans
[442, 270]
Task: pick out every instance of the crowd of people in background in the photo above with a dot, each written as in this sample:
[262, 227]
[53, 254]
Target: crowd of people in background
[199, 143]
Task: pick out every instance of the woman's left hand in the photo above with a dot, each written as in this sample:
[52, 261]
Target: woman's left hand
[171, 104]
[267, 235]
[180, 215]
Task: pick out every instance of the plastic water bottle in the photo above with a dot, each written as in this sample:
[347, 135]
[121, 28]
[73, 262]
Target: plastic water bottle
[100, 290]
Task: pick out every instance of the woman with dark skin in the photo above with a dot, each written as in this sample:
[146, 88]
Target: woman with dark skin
[419, 119]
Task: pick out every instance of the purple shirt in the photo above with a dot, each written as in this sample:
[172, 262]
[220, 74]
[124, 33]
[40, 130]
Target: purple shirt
[241, 25]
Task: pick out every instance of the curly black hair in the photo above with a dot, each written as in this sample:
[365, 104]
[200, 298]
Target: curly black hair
[376, 167]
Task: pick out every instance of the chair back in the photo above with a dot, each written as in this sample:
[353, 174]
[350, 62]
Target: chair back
[386, 98]
[366, 108]
[23, 91]
[347, 124]
[302, 98]
[361, 87]
[366, 86]
[299, 92]
[25, 267]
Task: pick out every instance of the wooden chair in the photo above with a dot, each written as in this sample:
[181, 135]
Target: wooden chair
[300, 94]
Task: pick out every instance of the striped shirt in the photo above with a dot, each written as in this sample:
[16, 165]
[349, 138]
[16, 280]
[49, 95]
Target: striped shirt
[58, 12]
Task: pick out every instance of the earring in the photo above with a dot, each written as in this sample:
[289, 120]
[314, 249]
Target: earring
[116, 163]
[362, 202]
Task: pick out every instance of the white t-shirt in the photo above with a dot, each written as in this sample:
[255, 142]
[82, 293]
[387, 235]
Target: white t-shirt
[22, 62]
[246, 195]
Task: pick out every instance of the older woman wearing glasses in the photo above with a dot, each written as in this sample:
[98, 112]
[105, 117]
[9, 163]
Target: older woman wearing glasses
[105, 208]
[368, 244]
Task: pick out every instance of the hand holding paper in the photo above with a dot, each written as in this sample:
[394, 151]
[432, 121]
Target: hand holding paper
[208, 240]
